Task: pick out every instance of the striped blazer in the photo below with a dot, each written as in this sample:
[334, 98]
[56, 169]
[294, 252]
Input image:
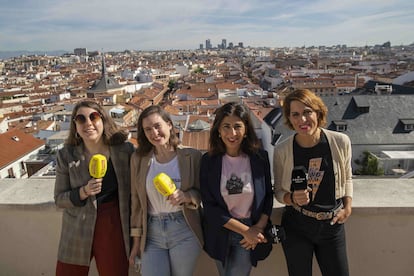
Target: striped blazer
[78, 220]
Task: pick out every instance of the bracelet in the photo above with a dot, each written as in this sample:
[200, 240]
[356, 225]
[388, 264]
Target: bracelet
[84, 190]
[291, 198]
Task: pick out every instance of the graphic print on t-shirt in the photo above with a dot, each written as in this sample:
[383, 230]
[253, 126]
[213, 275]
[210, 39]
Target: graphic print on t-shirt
[315, 175]
[234, 185]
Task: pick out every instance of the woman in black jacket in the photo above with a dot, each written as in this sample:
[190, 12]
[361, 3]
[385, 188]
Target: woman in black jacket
[236, 191]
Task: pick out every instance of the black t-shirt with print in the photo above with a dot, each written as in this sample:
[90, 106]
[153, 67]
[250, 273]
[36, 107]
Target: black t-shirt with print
[324, 198]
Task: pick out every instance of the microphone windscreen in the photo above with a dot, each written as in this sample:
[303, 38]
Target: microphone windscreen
[164, 184]
[98, 166]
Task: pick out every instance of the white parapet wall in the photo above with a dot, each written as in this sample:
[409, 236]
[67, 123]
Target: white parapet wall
[379, 232]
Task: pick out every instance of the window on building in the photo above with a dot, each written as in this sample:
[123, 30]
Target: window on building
[340, 126]
[408, 124]
[22, 168]
[11, 173]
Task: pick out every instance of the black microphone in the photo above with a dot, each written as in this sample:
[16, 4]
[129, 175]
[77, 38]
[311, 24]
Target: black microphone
[300, 179]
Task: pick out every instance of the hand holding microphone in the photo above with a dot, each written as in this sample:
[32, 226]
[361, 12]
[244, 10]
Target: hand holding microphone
[166, 186]
[97, 170]
[301, 193]
[98, 166]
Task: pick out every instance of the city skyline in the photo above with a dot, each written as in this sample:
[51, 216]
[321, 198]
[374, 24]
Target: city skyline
[162, 25]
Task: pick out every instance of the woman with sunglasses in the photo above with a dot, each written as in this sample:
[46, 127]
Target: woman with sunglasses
[166, 229]
[95, 222]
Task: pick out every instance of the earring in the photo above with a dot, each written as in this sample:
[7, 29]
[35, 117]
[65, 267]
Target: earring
[77, 135]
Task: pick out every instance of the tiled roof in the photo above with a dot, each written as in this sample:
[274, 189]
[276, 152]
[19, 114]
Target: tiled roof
[227, 85]
[379, 124]
[105, 83]
[15, 144]
[172, 109]
[27, 126]
[198, 125]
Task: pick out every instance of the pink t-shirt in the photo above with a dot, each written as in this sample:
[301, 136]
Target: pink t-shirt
[236, 185]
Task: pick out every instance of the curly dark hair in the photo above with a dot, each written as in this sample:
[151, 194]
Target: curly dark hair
[112, 134]
[145, 146]
[250, 143]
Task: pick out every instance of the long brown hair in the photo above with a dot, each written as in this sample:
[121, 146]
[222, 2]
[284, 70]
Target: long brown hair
[250, 143]
[145, 146]
[112, 134]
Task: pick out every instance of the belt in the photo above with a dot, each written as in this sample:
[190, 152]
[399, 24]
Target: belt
[318, 215]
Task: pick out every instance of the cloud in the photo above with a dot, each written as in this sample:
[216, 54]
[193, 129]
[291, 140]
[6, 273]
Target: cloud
[184, 24]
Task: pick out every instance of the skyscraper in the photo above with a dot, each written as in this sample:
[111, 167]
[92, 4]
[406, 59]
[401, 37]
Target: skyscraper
[223, 43]
[80, 51]
[208, 44]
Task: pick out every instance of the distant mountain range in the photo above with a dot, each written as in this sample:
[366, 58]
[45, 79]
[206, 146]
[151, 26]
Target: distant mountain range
[9, 54]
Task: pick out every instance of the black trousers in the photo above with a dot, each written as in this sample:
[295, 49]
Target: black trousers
[307, 236]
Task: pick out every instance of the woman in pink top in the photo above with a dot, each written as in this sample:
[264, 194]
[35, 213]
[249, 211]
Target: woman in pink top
[236, 192]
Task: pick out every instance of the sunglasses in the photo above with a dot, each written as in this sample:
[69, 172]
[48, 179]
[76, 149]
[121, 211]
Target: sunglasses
[93, 117]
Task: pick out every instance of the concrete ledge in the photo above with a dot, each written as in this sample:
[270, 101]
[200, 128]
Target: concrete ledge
[26, 191]
[27, 194]
[383, 192]
[368, 192]
[378, 232]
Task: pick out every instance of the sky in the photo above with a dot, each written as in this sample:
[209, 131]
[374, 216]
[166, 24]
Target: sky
[119, 25]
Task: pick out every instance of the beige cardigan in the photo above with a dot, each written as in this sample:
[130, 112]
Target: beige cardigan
[340, 145]
[189, 164]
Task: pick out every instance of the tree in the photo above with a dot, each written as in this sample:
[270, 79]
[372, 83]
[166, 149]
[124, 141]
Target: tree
[171, 84]
[199, 70]
[369, 165]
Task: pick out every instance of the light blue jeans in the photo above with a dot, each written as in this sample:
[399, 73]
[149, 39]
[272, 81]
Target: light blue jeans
[171, 247]
[238, 259]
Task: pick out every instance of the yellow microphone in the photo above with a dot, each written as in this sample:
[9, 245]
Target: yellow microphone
[97, 166]
[164, 184]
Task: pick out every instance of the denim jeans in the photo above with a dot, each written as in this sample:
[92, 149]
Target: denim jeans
[171, 247]
[238, 259]
[307, 236]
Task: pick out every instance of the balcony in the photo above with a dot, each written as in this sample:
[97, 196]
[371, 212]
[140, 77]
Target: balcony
[379, 231]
